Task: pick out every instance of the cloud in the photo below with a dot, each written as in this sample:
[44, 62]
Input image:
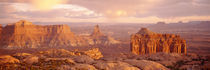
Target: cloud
[6, 10]
[42, 5]
[128, 8]
[179, 9]
[115, 8]
[109, 10]
[45, 5]
[145, 8]
[20, 10]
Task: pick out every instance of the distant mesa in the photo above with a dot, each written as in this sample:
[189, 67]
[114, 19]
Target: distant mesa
[161, 23]
[148, 42]
[24, 34]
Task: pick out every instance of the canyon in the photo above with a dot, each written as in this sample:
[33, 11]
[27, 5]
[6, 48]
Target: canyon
[63, 50]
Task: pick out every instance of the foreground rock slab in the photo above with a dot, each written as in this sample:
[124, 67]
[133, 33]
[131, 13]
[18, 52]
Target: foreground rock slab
[146, 65]
[8, 59]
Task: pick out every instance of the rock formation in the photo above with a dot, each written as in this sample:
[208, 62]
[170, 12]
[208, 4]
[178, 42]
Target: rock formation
[99, 38]
[24, 34]
[94, 53]
[115, 65]
[148, 42]
[8, 59]
[146, 64]
[61, 59]
[97, 32]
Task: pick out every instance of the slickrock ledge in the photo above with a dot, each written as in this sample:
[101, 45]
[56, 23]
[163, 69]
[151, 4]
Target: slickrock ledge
[148, 42]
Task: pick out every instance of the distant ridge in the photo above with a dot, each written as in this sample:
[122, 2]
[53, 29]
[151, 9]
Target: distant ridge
[24, 34]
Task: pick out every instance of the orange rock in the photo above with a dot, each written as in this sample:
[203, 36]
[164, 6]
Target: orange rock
[99, 38]
[147, 42]
[97, 32]
[27, 35]
[24, 34]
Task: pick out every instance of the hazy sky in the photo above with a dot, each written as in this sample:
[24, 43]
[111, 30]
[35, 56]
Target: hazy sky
[105, 11]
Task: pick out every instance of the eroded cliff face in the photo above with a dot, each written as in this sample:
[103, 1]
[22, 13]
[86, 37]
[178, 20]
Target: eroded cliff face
[24, 34]
[147, 42]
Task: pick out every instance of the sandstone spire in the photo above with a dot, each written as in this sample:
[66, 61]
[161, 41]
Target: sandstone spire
[100, 38]
[96, 31]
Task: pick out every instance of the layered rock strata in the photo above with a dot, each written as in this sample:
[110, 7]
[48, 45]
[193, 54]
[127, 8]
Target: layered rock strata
[148, 42]
[24, 34]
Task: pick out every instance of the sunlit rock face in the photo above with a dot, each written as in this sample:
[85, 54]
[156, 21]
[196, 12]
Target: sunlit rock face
[8, 59]
[148, 42]
[24, 34]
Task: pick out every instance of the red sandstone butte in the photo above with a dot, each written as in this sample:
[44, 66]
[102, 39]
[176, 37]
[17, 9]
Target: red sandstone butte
[148, 42]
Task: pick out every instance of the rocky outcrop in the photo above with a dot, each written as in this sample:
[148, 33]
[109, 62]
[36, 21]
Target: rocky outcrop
[158, 61]
[92, 53]
[146, 65]
[84, 59]
[27, 35]
[24, 34]
[21, 56]
[31, 59]
[8, 59]
[97, 32]
[82, 67]
[100, 38]
[115, 65]
[148, 42]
